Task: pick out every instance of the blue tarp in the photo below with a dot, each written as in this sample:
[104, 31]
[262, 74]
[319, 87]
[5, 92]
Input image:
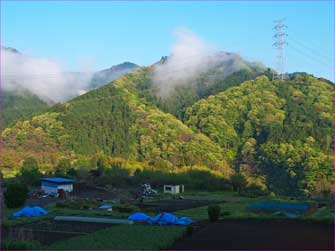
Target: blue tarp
[291, 210]
[160, 219]
[30, 212]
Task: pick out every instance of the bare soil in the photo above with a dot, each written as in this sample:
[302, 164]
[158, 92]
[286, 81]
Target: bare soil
[260, 235]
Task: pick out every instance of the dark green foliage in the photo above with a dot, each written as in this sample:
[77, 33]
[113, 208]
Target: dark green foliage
[116, 176]
[254, 190]
[100, 120]
[192, 179]
[279, 131]
[15, 195]
[238, 181]
[214, 212]
[19, 105]
[64, 168]
[20, 245]
[30, 173]
[124, 237]
[282, 130]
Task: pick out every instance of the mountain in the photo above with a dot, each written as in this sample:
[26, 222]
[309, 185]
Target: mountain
[117, 121]
[281, 130]
[106, 76]
[278, 133]
[17, 102]
[20, 99]
[226, 70]
[18, 105]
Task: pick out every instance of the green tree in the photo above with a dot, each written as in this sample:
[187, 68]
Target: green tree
[238, 181]
[29, 173]
[15, 195]
[63, 168]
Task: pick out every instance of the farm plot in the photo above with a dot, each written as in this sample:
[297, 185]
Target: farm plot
[173, 205]
[49, 231]
[260, 235]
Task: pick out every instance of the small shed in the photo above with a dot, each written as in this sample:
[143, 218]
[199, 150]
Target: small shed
[54, 185]
[173, 189]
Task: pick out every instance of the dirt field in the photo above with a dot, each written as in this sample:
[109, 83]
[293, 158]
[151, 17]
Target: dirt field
[260, 235]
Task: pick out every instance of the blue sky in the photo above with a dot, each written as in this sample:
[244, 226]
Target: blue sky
[105, 33]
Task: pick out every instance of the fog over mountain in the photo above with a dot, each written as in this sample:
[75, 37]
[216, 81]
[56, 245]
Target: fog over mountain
[48, 79]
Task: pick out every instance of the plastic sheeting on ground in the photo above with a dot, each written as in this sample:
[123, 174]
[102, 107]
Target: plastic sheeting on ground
[291, 210]
[161, 219]
[105, 207]
[30, 212]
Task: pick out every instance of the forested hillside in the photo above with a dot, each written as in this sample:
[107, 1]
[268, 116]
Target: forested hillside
[116, 121]
[282, 130]
[18, 105]
[276, 133]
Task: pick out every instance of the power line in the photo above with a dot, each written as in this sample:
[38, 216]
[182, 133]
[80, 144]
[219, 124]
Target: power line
[310, 43]
[312, 50]
[308, 56]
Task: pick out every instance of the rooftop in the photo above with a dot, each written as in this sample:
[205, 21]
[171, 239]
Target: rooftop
[57, 180]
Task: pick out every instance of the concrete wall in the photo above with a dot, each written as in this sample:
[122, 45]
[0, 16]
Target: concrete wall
[171, 189]
[53, 188]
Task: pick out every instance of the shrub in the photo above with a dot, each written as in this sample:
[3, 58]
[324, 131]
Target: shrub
[214, 212]
[29, 172]
[238, 181]
[16, 195]
[226, 213]
[254, 190]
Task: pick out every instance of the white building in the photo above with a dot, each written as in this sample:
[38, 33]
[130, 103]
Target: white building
[173, 189]
[53, 185]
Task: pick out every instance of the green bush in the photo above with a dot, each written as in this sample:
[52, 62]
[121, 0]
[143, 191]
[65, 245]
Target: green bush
[226, 213]
[214, 212]
[254, 190]
[15, 195]
[29, 172]
[20, 245]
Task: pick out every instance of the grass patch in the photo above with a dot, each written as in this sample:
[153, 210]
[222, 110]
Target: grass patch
[124, 237]
[234, 207]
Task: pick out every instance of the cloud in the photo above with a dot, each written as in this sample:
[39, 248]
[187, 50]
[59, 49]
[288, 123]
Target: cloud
[43, 77]
[190, 56]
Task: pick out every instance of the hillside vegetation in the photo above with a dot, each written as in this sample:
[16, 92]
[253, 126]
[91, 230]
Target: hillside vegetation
[116, 121]
[276, 134]
[280, 130]
[21, 104]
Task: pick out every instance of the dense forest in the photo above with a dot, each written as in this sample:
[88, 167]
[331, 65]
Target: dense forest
[277, 134]
[18, 105]
[282, 130]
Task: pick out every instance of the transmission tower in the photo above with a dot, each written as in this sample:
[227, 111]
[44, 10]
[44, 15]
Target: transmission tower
[279, 44]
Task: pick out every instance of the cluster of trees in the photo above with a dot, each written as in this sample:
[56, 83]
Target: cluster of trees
[282, 130]
[104, 170]
[19, 104]
[114, 119]
[277, 134]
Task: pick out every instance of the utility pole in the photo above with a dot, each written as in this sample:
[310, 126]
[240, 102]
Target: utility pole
[279, 44]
